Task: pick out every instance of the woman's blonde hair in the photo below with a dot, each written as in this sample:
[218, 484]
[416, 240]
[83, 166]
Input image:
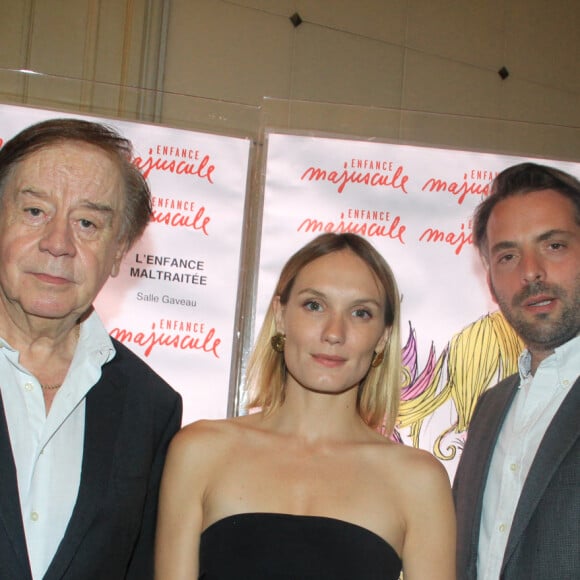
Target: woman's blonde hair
[379, 391]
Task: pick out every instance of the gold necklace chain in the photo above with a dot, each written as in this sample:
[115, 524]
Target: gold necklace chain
[50, 387]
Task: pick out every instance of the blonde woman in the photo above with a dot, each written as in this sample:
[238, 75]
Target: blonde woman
[308, 487]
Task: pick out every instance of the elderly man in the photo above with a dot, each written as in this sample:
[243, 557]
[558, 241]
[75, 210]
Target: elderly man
[517, 487]
[84, 423]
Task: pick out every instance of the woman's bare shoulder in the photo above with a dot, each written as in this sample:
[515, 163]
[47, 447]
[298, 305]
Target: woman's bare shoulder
[208, 436]
[416, 470]
[202, 441]
[417, 458]
[204, 429]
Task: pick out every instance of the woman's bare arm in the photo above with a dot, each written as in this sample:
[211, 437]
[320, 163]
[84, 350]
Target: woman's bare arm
[180, 516]
[429, 548]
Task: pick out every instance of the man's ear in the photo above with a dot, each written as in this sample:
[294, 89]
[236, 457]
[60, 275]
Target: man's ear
[485, 262]
[120, 252]
[491, 288]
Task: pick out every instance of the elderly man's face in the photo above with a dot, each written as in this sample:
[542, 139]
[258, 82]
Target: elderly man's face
[60, 220]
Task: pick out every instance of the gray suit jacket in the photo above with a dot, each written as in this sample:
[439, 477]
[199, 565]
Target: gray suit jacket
[131, 415]
[544, 540]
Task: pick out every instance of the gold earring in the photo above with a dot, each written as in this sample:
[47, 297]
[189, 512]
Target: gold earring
[278, 341]
[377, 359]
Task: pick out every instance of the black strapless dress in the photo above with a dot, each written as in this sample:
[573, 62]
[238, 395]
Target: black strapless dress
[260, 546]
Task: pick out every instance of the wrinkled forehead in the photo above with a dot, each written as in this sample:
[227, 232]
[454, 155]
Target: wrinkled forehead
[71, 167]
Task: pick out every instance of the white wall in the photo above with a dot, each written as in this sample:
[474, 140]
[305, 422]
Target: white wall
[415, 71]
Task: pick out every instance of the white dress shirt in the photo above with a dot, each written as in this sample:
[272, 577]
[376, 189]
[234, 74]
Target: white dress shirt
[534, 406]
[48, 450]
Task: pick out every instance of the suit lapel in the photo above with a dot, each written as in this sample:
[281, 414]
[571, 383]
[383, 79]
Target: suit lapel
[10, 512]
[562, 433]
[103, 416]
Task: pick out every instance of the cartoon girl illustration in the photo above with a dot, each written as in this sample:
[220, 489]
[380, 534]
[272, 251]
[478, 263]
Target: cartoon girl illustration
[475, 359]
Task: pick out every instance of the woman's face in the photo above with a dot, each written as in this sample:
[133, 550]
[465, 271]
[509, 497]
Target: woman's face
[333, 322]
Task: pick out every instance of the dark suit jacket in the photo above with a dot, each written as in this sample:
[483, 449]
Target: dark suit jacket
[131, 415]
[544, 540]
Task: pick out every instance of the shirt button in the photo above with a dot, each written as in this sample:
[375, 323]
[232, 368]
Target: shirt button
[514, 466]
[502, 528]
[565, 382]
[34, 516]
[29, 386]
